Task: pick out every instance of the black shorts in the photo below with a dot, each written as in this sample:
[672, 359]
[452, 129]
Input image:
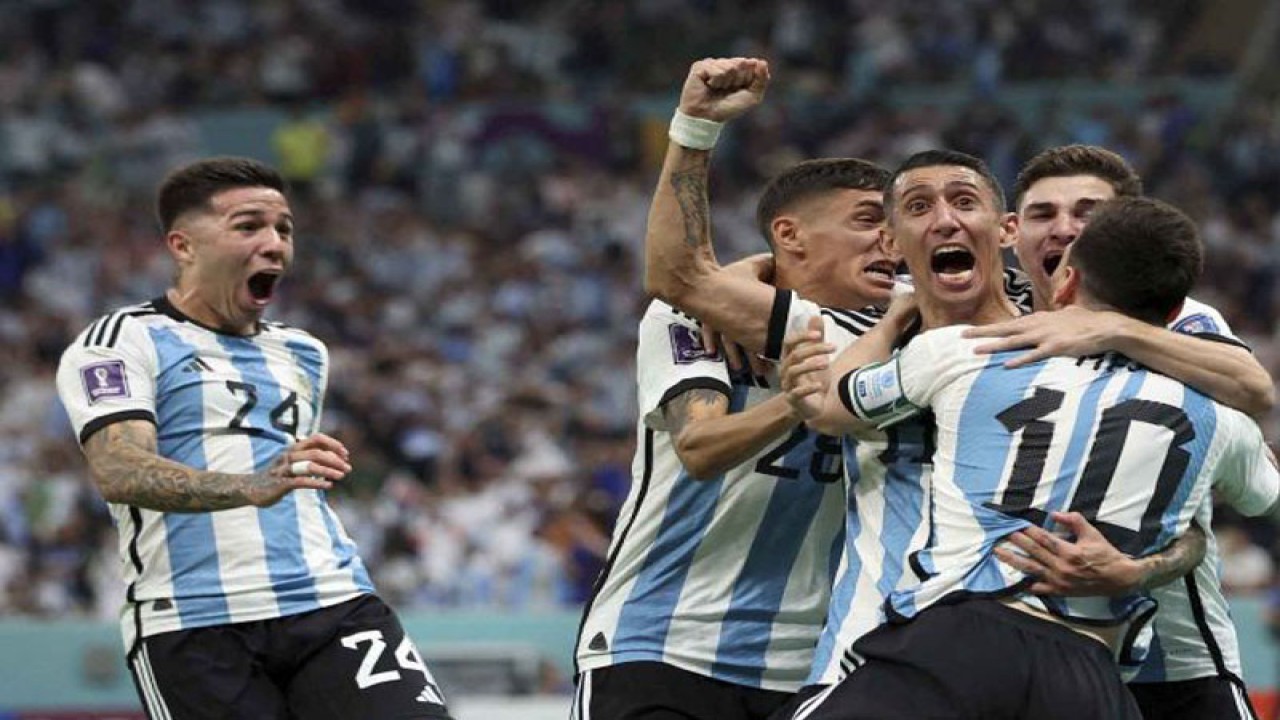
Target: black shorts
[657, 691]
[976, 659]
[1211, 698]
[352, 660]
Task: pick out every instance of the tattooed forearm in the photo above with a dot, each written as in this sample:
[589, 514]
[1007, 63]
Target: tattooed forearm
[690, 185]
[1174, 561]
[691, 405]
[127, 470]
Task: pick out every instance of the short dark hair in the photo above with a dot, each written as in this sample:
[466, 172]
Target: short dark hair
[934, 158]
[1068, 160]
[813, 177]
[191, 186]
[1140, 256]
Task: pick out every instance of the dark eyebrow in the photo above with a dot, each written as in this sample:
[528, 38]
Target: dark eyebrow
[961, 183]
[256, 214]
[1038, 206]
[1088, 202]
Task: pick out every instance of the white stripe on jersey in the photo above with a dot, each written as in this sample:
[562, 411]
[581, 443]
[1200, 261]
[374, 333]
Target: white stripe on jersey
[726, 577]
[228, 404]
[886, 519]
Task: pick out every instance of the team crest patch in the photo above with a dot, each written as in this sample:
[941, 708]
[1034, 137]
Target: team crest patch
[1196, 324]
[104, 380]
[686, 345]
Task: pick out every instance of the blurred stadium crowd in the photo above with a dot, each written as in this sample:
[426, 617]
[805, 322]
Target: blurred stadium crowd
[471, 182]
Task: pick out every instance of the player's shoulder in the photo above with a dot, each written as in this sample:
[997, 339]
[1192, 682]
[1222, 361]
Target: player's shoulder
[856, 322]
[664, 312]
[947, 335]
[288, 333]
[108, 330]
[1197, 317]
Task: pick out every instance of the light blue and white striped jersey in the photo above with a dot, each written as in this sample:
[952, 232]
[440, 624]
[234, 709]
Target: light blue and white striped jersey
[1132, 450]
[726, 577]
[223, 403]
[887, 515]
[1194, 634]
[886, 508]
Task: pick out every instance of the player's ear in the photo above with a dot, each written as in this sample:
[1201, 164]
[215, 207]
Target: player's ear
[1009, 230]
[1066, 287]
[786, 234]
[180, 245]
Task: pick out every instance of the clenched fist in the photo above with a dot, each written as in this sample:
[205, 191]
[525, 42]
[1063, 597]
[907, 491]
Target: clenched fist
[721, 89]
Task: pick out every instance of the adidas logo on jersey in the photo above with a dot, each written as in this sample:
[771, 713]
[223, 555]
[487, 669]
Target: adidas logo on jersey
[598, 642]
[196, 365]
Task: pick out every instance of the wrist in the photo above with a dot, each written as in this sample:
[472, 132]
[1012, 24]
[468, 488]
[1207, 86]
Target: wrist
[694, 133]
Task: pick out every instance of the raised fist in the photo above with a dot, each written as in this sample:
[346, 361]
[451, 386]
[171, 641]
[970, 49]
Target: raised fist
[721, 89]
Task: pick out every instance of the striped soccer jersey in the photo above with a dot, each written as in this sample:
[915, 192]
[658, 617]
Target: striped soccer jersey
[887, 518]
[1132, 450]
[726, 577]
[1194, 634]
[223, 403]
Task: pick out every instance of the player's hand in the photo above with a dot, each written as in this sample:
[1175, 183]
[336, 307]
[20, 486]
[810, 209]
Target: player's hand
[721, 89]
[804, 375]
[314, 462]
[1072, 331]
[1086, 566]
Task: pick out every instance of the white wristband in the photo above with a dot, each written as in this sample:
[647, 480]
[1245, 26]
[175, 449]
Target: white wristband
[693, 133]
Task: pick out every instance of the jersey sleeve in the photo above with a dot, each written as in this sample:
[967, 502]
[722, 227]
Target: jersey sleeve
[1201, 320]
[105, 378]
[791, 313]
[904, 385]
[1246, 480]
[671, 359]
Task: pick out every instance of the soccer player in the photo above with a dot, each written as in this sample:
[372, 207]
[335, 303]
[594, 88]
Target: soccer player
[1193, 670]
[720, 569]
[199, 421]
[1131, 450]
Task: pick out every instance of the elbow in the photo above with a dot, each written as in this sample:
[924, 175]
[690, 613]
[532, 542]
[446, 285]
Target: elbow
[699, 464]
[1262, 394]
[671, 288]
[825, 425]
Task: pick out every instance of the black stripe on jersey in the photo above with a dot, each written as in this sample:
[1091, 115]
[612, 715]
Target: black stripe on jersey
[869, 315]
[93, 330]
[1224, 339]
[1017, 287]
[842, 387]
[130, 594]
[98, 423]
[1202, 624]
[684, 386]
[777, 324]
[106, 330]
[855, 324]
[617, 547]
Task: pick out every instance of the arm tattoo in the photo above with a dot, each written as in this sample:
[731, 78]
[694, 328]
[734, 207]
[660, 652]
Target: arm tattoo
[1175, 561]
[691, 405]
[127, 469]
[690, 185]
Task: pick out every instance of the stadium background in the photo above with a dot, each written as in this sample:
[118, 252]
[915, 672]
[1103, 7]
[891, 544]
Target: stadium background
[471, 180]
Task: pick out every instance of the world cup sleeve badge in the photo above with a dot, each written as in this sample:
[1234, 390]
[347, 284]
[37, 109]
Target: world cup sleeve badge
[104, 380]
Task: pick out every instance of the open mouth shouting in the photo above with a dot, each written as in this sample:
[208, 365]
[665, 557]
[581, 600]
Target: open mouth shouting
[881, 272]
[953, 265]
[262, 286]
[1052, 259]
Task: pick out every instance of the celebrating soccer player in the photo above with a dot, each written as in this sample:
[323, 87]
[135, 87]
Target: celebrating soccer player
[199, 421]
